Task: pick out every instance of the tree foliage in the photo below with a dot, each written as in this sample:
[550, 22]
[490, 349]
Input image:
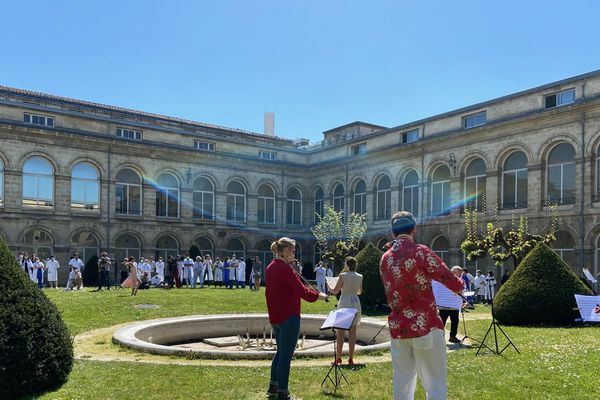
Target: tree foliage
[368, 263]
[540, 292]
[36, 350]
[338, 238]
[502, 244]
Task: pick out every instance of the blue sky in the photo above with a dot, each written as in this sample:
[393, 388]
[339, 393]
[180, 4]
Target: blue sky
[316, 64]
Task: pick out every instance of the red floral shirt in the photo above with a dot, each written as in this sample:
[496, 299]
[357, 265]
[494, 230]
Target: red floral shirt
[406, 271]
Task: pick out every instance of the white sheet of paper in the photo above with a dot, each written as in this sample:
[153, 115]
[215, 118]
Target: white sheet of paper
[468, 294]
[444, 297]
[589, 307]
[341, 318]
[589, 275]
[331, 281]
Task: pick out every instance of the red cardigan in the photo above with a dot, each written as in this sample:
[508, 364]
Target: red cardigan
[284, 291]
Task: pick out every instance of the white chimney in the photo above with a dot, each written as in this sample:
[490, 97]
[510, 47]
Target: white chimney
[270, 124]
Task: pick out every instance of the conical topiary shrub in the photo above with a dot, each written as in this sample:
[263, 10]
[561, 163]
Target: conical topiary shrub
[36, 350]
[368, 265]
[540, 291]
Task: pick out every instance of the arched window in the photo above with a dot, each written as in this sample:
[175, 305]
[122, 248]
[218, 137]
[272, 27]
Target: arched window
[514, 181]
[564, 245]
[205, 246]
[440, 191]
[236, 202]
[441, 246]
[561, 175]
[338, 197]
[475, 185]
[319, 204]
[266, 205]
[360, 197]
[236, 246]
[127, 245]
[203, 198]
[38, 183]
[85, 187]
[167, 196]
[166, 246]
[264, 252]
[383, 199]
[128, 193]
[1, 183]
[294, 207]
[38, 242]
[85, 244]
[410, 192]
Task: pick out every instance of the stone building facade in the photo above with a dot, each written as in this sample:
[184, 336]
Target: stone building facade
[86, 177]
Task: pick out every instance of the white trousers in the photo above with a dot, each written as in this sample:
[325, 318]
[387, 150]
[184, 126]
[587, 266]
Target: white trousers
[424, 356]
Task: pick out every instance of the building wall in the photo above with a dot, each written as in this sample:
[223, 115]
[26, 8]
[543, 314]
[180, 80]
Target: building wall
[516, 122]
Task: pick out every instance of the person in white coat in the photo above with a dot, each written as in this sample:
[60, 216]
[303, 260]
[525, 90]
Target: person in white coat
[320, 274]
[207, 271]
[490, 283]
[52, 267]
[188, 271]
[77, 265]
[218, 272]
[479, 286]
[241, 274]
[160, 268]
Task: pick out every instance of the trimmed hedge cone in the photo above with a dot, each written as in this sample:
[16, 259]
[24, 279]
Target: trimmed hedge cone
[36, 350]
[368, 265]
[540, 291]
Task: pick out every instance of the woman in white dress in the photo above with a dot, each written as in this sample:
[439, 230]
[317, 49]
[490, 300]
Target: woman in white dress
[350, 284]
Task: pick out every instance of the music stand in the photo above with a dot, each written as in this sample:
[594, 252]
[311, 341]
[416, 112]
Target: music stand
[337, 319]
[494, 324]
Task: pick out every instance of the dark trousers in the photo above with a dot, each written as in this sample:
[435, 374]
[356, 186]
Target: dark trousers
[286, 337]
[103, 279]
[453, 314]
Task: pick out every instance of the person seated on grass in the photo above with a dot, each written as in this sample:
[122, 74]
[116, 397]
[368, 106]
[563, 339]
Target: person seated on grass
[156, 281]
[74, 279]
[145, 283]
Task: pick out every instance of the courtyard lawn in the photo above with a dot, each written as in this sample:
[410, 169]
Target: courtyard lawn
[555, 363]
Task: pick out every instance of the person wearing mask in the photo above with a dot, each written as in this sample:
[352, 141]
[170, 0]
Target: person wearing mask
[52, 266]
[284, 292]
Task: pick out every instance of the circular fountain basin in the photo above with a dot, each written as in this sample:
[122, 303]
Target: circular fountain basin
[239, 336]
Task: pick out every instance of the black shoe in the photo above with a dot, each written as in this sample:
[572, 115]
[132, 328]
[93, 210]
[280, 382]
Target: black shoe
[453, 339]
[284, 396]
[272, 390]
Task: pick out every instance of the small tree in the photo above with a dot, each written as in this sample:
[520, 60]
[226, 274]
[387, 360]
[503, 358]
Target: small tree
[337, 238]
[499, 244]
[36, 350]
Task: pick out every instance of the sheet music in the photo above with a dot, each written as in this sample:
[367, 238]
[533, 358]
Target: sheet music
[341, 318]
[589, 307]
[444, 297]
[331, 281]
[589, 275]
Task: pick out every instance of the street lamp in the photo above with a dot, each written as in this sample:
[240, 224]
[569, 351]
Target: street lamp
[189, 175]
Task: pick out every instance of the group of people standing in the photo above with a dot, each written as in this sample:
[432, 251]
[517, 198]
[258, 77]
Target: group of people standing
[36, 269]
[186, 271]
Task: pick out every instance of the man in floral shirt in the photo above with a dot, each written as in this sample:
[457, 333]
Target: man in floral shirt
[418, 345]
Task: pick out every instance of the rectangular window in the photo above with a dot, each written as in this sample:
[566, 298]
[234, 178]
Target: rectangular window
[559, 99]
[206, 146]
[410, 136]
[358, 149]
[267, 155]
[473, 120]
[129, 134]
[38, 119]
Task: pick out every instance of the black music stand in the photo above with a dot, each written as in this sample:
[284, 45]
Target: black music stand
[337, 319]
[493, 328]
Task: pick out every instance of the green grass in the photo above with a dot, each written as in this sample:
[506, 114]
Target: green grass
[555, 363]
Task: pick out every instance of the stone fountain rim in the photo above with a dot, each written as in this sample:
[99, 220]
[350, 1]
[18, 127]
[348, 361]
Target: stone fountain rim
[126, 336]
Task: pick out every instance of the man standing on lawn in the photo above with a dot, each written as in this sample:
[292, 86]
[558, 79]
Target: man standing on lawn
[418, 346]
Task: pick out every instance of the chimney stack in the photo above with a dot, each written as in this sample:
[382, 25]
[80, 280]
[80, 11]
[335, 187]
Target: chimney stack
[269, 124]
